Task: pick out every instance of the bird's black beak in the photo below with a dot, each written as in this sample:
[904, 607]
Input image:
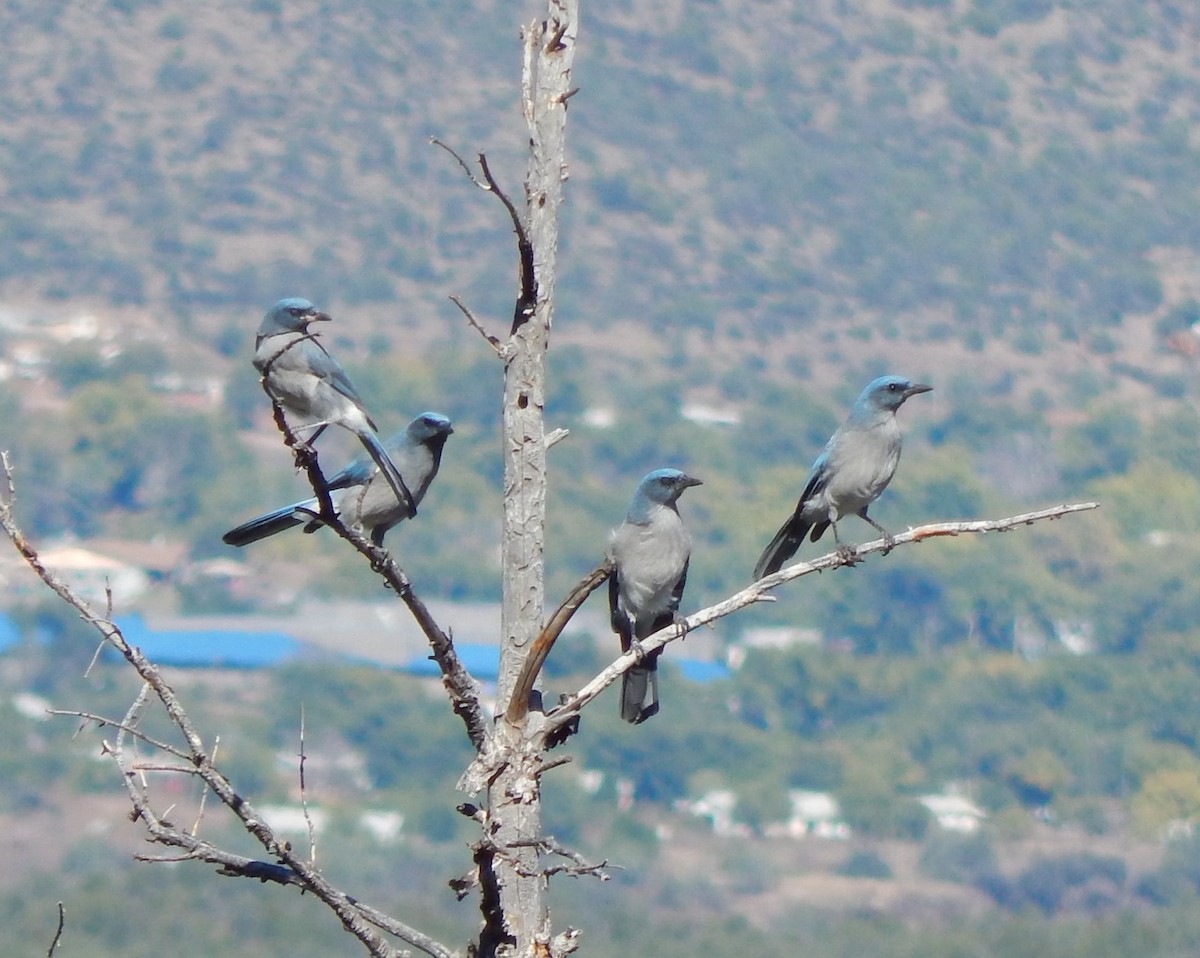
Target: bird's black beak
[687, 481]
[916, 388]
[318, 317]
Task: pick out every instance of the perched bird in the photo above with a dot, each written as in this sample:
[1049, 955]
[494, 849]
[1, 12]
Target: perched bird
[852, 471]
[650, 552]
[312, 386]
[362, 498]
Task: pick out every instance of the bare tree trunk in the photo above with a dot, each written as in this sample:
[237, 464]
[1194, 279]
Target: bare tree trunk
[549, 50]
[514, 799]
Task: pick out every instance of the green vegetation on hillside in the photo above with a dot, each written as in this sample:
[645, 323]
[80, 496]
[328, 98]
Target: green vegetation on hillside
[769, 204]
[926, 172]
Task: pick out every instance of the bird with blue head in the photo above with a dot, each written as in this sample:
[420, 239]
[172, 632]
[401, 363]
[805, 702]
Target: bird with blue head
[650, 552]
[361, 497]
[311, 385]
[851, 472]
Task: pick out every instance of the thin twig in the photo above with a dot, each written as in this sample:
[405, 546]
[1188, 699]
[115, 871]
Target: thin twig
[203, 803]
[497, 346]
[461, 162]
[312, 832]
[359, 920]
[95, 657]
[62, 919]
[549, 845]
[101, 721]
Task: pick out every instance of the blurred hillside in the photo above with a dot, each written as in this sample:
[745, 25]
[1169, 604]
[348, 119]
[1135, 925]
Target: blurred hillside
[768, 206]
[999, 189]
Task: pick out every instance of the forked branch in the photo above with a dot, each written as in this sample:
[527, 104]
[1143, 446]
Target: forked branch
[518, 705]
[460, 685]
[527, 297]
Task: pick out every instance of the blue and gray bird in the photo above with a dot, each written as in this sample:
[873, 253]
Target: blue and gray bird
[363, 500]
[650, 552]
[852, 471]
[312, 386]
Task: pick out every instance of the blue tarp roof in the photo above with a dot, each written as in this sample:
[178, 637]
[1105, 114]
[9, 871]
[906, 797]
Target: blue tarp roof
[697, 671]
[10, 635]
[203, 647]
[483, 662]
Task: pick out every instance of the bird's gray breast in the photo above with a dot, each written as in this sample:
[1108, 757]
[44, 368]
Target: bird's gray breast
[371, 504]
[285, 363]
[862, 464]
[650, 558]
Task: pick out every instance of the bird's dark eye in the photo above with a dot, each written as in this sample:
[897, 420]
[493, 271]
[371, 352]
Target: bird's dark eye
[296, 311]
[894, 387]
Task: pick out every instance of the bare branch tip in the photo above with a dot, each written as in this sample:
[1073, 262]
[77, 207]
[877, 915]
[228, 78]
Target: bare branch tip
[62, 916]
[466, 168]
[492, 341]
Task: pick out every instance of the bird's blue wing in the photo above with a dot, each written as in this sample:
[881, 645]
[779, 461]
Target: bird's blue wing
[789, 537]
[818, 476]
[354, 473]
[399, 448]
[330, 370]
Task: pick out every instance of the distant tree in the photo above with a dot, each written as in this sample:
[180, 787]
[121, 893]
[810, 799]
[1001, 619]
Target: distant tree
[967, 859]
[865, 863]
[1169, 797]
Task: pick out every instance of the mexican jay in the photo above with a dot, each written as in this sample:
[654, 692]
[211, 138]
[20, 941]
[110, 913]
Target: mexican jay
[312, 386]
[363, 500]
[650, 552]
[852, 471]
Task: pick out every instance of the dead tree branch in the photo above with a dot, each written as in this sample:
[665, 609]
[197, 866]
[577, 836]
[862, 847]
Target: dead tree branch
[460, 685]
[518, 704]
[549, 845]
[527, 297]
[355, 918]
[497, 346]
[102, 722]
[62, 919]
[559, 722]
[759, 592]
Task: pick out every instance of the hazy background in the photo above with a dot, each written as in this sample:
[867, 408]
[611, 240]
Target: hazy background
[769, 204]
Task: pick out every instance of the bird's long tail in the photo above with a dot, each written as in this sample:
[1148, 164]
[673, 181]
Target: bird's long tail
[787, 540]
[270, 523]
[390, 473]
[639, 690]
